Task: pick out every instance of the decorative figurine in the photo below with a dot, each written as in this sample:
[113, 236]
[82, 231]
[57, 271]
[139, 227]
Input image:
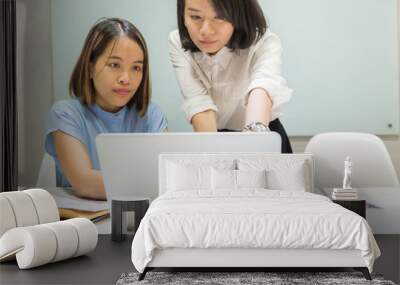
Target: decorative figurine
[347, 173]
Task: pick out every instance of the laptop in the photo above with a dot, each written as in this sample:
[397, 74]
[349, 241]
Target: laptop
[129, 162]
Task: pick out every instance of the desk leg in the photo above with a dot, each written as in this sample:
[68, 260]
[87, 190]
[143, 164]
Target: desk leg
[116, 221]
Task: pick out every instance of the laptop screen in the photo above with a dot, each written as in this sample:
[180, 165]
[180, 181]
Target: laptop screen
[129, 162]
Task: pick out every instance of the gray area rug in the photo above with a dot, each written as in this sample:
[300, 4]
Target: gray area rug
[243, 278]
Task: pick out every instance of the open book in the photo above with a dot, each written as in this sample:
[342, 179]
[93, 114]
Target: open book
[93, 216]
[71, 206]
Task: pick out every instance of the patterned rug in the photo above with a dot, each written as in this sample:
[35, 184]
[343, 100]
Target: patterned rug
[244, 278]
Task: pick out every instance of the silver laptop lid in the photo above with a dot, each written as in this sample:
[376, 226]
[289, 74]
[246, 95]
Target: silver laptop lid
[129, 162]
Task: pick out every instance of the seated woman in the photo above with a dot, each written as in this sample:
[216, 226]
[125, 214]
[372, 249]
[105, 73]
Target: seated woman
[110, 87]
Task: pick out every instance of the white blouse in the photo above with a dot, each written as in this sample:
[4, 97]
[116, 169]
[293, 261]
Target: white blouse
[223, 81]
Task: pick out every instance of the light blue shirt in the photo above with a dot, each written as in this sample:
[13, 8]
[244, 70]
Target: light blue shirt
[86, 122]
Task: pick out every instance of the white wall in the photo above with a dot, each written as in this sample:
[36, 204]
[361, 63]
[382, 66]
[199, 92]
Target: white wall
[35, 93]
[34, 84]
[392, 142]
[332, 67]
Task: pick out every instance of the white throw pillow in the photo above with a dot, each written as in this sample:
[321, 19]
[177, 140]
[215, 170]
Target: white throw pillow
[187, 177]
[283, 173]
[291, 178]
[251, 178]
[223, 179]
[237, 179]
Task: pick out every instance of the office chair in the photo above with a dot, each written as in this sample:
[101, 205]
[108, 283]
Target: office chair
[47, 172]
[371, 163]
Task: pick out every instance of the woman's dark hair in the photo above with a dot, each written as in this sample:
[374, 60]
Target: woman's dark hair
[104, 32]
[246, 17]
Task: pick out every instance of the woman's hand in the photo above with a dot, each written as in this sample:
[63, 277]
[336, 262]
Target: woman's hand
[205, 121]
[77, 167]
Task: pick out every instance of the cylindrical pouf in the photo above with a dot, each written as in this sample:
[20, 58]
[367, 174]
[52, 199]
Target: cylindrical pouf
[41, 244]
[46, 207]
[7, 218]
[23, 208]
[87, 235]
[35, 245]
[26, 208]
[67, 240]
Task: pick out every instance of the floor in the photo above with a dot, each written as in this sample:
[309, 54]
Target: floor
[103, 266]
[110, 260]
[389, 262]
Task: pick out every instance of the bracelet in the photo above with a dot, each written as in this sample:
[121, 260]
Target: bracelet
[257, 127]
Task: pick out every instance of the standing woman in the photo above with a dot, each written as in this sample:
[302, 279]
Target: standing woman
[228, 65]
[110, 86]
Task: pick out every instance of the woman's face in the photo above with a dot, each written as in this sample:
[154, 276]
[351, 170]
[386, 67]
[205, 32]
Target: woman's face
[207, 31]
[117, 74]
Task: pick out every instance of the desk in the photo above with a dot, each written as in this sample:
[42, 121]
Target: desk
[383, 208]
[102, 266]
